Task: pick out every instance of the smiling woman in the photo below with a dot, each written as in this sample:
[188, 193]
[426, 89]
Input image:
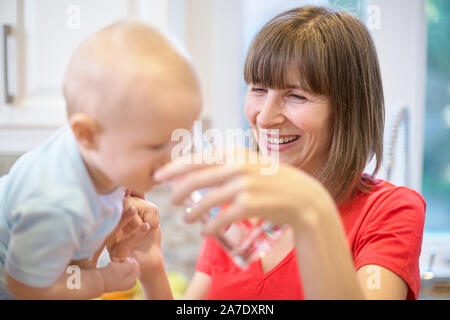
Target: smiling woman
[313, 75]
[314, 65]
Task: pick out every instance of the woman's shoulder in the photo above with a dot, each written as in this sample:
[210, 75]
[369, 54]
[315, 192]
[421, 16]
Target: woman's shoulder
[384, 196]
[383, 189]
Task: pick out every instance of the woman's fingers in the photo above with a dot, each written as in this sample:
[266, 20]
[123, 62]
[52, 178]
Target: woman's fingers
[233, 212]
[140, 195]
[129, 216]
[218, 157]
[122, 248]
[135, 222]
[207, 177]
[175, 169]
[216, 197]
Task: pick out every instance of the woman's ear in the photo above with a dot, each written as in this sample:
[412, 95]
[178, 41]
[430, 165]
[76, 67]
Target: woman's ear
[85, 129]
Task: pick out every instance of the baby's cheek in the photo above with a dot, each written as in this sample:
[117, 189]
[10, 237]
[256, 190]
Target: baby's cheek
[144, 170]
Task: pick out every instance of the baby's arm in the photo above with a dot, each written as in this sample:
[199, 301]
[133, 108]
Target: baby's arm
[33, 273]
[117, 276]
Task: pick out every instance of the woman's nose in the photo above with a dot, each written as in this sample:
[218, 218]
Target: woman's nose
[270, 115]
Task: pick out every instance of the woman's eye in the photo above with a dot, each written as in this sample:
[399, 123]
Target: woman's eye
[259, 90]
[298, 97]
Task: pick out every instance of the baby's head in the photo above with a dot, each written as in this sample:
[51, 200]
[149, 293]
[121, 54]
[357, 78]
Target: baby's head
[127, 88]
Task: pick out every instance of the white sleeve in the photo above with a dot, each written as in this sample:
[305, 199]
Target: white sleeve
[42, 244]
[104, 259]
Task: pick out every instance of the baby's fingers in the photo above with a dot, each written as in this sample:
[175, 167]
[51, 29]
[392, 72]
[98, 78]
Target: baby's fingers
[131, 269]
[147, 211]
[124, 246]
[120, 275]
[132, 266]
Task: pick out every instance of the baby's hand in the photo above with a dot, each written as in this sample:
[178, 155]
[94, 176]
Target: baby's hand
[120, 275]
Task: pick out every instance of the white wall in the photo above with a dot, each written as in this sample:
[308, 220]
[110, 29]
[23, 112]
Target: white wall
[401, 46]
[213, 35]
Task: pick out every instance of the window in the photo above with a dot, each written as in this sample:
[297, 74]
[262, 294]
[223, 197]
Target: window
[436, 168]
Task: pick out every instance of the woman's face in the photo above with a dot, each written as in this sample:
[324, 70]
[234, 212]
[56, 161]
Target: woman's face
[302, 118]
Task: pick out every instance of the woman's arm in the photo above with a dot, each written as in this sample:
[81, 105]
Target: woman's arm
[199, 286]
[287, 196]
[326, 265]
[324, 258]
[155, 283]
[140, 238]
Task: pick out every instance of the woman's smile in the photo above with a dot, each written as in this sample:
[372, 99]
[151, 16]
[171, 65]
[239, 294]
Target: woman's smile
[278, 143]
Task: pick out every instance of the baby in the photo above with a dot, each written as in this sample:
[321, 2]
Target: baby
[126, 89]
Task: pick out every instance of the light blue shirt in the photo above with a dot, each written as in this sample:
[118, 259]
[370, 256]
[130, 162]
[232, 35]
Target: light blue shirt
[51, 214]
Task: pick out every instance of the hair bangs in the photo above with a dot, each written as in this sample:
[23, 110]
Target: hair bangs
[279, 59]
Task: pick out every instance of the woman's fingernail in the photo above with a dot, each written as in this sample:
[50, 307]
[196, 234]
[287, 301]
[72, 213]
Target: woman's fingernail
[145, 227]
[187, 217]
[157, 175]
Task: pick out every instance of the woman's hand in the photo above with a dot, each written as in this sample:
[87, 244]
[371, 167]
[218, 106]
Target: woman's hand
[138, 235]
[286, 196]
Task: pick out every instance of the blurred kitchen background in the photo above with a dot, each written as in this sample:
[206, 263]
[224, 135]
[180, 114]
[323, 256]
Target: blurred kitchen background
[413, 43]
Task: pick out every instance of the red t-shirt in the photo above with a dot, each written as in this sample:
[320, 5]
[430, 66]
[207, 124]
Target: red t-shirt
[384, 228]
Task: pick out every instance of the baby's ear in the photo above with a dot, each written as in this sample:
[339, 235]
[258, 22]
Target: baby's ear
[85, 130]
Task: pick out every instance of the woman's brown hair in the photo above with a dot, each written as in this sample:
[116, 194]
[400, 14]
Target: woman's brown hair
[335, 56]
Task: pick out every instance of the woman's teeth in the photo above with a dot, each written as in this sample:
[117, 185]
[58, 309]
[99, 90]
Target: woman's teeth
[282, 140]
